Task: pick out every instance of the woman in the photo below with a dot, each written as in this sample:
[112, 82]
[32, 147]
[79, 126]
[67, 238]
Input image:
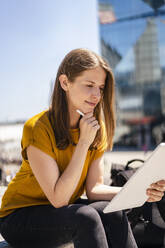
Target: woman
[62, 156]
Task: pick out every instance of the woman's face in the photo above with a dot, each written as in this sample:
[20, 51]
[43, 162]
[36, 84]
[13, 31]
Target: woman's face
[86, 91]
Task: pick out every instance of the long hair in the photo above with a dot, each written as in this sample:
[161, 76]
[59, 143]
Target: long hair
[73, 65]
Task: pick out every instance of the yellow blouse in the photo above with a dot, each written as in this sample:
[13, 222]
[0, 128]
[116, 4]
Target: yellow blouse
[24, 190]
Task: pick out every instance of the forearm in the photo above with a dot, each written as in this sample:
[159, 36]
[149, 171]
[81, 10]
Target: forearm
[69, 179]
[103, 192]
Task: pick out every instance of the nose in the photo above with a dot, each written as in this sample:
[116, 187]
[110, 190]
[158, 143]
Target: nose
[96, 93]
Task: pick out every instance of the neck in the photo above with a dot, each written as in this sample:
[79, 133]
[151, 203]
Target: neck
[74, 119]
[74, 123]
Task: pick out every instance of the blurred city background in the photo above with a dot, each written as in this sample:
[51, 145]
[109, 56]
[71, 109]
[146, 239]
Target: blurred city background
[36, 35]
[133, 41]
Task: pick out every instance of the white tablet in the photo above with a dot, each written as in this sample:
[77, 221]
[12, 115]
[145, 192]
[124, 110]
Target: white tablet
[133, 194]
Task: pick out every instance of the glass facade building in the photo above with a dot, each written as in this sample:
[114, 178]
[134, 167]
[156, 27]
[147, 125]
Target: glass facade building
[132, 38]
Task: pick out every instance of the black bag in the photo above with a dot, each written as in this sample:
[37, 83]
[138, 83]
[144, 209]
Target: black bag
[147, 221]
[121, 173]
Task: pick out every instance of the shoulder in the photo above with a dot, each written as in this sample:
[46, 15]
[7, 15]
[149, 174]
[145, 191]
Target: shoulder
[37, 127]
[39, 120]
[37, 131]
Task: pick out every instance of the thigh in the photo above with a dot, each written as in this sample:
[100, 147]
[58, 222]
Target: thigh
[47, 226]
[117, 228]
[44, 225]
[114, 218]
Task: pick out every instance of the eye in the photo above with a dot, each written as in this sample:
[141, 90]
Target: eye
[89, 85]
[102, 89]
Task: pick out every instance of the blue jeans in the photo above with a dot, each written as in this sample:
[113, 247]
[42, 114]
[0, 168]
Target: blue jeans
[83, 223]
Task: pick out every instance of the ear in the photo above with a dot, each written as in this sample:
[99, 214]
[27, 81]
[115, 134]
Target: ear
[64, 82]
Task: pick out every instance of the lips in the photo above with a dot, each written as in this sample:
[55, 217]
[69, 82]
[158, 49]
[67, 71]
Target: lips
[91, 103]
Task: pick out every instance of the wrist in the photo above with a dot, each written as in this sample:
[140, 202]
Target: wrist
[83, 143]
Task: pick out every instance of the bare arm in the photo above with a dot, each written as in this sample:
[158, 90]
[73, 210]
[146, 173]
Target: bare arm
[95, 187]
[59, 188]
[96, 190]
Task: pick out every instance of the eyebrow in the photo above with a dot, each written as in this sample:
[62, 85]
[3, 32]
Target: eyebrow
[94, 82]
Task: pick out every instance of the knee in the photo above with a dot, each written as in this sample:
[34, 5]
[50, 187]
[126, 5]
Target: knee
[88, 216]
[118, 217]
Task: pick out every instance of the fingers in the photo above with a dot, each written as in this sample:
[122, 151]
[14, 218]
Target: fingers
[90, 120]
[151, 199]
[161, 183]
[97, 127]
[88, 128]
[87, 116]
[93, 123]
[156, 191]
[158, 187]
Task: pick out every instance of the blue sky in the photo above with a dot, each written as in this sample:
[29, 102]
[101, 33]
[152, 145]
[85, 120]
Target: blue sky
[35, 36]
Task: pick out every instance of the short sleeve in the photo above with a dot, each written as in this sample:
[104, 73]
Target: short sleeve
[103, 145]
[37, 136]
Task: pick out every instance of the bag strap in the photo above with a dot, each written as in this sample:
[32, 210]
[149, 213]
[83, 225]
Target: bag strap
[133, 160]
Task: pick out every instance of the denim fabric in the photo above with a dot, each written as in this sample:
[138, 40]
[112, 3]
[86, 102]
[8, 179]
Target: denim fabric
[83, 223]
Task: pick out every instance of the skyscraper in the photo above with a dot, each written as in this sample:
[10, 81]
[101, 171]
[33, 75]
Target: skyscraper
[147, 59]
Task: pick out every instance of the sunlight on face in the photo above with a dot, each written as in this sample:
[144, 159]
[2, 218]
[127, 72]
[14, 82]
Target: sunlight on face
[85, 92]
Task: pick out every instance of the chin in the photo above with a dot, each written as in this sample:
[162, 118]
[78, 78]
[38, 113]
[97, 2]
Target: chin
[89, 110]
[86, 109]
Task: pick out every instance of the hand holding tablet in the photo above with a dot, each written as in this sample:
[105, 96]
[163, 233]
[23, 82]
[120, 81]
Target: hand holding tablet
[133, 194]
